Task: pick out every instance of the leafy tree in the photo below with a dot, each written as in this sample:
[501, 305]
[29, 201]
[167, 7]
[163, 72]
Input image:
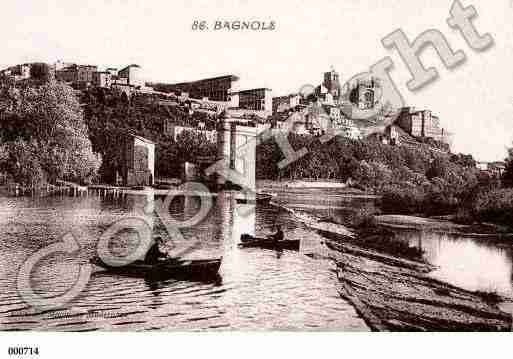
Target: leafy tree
[40, 71]
[45, 130]
[463, 160]
[507, 177]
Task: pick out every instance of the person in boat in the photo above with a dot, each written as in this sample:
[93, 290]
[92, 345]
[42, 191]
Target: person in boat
[278, 236]
[154, 254]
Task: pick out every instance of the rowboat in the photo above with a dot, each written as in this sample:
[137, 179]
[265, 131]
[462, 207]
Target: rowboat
[197, 269]
[138, 188]
[165, 186]
[248, 241]
[261, 198]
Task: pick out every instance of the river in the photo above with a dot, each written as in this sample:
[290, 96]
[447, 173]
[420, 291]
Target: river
[259, 289]
[472, 263]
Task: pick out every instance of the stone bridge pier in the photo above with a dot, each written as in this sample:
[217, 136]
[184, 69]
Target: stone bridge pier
[236, 148]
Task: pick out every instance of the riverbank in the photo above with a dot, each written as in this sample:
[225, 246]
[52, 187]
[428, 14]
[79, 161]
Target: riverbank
[394, 293]
[327, 187]
[397, 294]
[391, 292]
[441, 225]
[301, 184]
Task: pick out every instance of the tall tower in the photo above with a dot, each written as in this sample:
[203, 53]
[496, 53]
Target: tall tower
[332, 83]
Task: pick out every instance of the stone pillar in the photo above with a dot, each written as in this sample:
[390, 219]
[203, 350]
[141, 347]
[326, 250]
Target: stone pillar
[245, 159]
[223, 146]
[236, 148]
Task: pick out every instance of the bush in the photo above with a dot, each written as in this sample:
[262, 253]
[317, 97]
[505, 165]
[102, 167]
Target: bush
[403, 199]
[495, 206]
[24, 166]
[464, 215]
[372, 175]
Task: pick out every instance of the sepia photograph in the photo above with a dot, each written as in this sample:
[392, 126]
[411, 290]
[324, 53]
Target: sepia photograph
[244, 166]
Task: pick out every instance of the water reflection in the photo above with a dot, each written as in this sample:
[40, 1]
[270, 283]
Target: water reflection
[259, 289]
[470, 263]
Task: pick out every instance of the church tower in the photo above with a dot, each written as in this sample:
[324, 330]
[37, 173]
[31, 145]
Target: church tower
[332, 83]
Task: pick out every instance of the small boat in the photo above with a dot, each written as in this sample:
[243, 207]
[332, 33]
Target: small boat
[165, 186]
[248, 241]
[138, 188]
[242, 200]
[195, 269]
[261, 198]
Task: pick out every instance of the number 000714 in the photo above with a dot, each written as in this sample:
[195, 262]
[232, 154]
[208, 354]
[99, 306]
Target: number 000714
[23, 351]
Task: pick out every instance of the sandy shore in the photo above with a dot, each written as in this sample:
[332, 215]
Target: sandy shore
[299, 184]
[413, 222]
[294, 187]
[445, 226]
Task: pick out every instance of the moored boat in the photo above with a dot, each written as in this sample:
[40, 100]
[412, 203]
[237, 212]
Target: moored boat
[196, 269]
[248, 241]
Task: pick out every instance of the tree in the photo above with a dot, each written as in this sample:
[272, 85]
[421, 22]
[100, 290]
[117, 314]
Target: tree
[373, 175]
[463, 160]
[439, 167]
[507, 177]
[40, 71]
[44, 128]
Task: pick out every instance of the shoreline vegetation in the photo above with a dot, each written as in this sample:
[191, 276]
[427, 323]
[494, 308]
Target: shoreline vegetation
[389, 285]
[450, 223]
[408, 180]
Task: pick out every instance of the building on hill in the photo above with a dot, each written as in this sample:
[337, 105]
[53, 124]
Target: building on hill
[138, 166]
[259, 99]
[102, 79]
[17, 72]
[112, 71]
[286, 103]
[332, 84]
[495, 169]
[32, 71]
[123, 88]
[81, 75]
[115, 80]
[215, 89]
[395, 135]
[132, 74]
[363, 93]
[22, 72]
[60, 65]
[334, 112]
[422, 124]
[322, 93]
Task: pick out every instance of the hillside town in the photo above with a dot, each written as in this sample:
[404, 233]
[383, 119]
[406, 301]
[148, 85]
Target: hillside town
[258, 106]
[196, 106]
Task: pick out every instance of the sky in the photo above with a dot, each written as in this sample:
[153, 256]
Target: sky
[473, 100]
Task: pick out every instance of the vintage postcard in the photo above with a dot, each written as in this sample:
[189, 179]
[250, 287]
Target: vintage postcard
[255, 166]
